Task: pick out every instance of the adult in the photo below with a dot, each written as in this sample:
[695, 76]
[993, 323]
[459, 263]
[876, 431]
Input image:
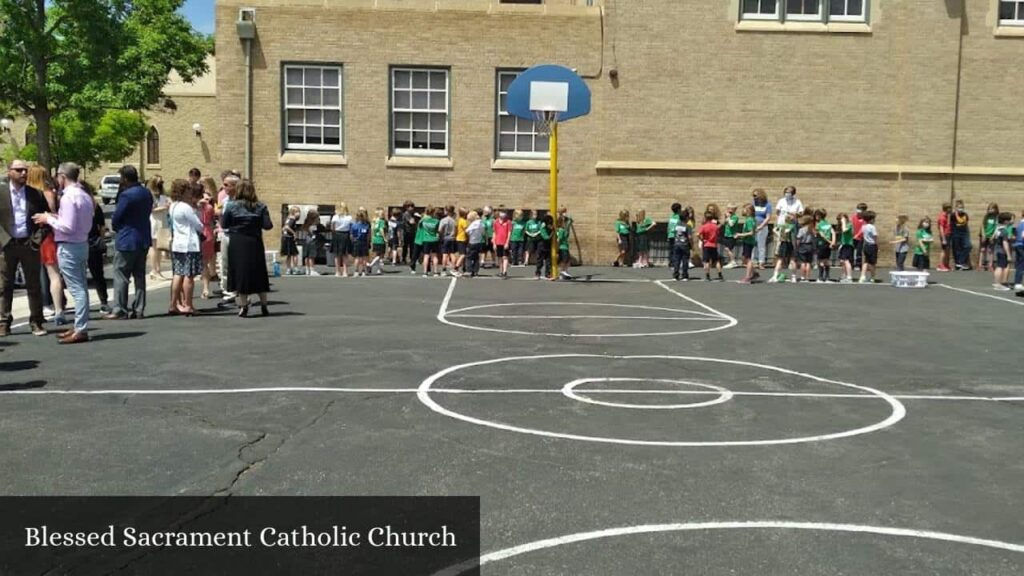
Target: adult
[245, 219]
[208, 246]
[51, 282]
[186, 255]
[789, 207]
[20, 238]
[98, 249]
[229, 185]
[157, 227]
[194, 176]
[132, 240]
[71, 227]
[410, 224]
[762, 218]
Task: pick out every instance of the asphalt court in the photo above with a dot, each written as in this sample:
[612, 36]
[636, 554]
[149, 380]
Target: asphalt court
[816, 430]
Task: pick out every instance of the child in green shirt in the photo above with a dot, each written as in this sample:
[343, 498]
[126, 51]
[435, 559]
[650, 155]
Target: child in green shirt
[728, 249]
[429, 240]
[747, 236]
[845, 226]
[643, 241]
[988, 229]
[923, 245]
[518, 239]
[622, 237]
[532, 231]
[380, 229]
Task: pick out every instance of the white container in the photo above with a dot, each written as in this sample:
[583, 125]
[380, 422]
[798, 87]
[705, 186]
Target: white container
[909, 279]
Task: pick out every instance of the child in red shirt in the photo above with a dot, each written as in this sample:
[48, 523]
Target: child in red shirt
[708, 233]
[945, 231]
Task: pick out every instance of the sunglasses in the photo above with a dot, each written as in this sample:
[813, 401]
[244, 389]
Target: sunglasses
[20, 170]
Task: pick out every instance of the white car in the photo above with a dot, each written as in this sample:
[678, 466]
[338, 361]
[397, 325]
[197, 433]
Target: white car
[108, 188]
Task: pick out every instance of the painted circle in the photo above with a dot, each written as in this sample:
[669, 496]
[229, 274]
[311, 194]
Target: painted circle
[569, 391]
[719, 321]
[898, 411]
[754, 525]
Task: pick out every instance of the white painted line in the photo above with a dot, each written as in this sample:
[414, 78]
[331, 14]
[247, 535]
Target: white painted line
[732, 321]
[992, 296]
[569, 391]
[507, 553]
[443, 315]
[197, 391]
[460, 311]
[898, 411]
[579, 317]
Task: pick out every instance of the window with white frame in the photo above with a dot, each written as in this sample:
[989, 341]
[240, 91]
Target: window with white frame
[1011, 13]
[419, 111]
[312, 107]
[804, 10]
[761, 9]
[517, 137]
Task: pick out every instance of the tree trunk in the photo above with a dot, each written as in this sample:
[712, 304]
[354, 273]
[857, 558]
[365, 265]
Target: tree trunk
[40, 104]
[42, 119]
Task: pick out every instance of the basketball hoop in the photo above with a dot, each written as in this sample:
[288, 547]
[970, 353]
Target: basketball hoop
[545, 121]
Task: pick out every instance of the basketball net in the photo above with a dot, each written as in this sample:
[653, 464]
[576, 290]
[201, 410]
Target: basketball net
[545, 121]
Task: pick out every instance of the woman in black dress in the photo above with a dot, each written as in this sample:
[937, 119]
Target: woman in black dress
[246, 218]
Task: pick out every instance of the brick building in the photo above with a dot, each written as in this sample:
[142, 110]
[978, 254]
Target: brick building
[897, 103]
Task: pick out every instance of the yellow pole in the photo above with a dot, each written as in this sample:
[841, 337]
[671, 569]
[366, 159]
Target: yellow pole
[554, 199]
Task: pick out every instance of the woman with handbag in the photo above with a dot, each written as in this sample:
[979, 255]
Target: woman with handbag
[98, 249]
[186, 257]
[157, 223]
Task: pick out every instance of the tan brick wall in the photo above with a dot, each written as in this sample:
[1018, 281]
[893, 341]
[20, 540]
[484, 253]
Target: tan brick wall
[879, 106]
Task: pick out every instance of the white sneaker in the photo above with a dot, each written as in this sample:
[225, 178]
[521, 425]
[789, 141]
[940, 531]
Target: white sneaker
[314, 273]
[1018, 287]
[1001, 288]
[773, 280]
[48, 312]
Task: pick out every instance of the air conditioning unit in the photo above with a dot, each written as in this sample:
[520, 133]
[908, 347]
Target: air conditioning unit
[246, 25]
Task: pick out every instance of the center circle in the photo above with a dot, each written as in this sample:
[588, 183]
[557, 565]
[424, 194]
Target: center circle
[569, 391]
[426, 394]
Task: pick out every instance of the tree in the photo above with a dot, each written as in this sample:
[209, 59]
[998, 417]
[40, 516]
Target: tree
[76, 59]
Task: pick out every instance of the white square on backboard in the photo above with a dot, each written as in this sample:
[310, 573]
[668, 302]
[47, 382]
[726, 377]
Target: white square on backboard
[549, 96]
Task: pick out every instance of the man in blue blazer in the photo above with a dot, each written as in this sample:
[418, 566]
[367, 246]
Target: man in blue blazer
[131, 244]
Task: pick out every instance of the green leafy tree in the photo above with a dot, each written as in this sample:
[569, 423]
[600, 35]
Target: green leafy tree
[65, 62]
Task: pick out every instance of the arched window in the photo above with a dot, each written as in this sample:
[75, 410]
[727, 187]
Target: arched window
[152, 146]
[30, 134]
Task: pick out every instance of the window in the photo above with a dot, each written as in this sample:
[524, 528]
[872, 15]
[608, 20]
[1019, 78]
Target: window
[804, 10]
[30, 134]
[1011, 13]
[152, 146]
[761, 9]
[419, 111]
[312, 108]
[517, 137]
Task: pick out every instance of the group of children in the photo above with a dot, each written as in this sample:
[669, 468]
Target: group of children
[443, 240]
[807, 239]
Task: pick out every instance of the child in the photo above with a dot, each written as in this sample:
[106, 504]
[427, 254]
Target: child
[487, 219]
[430, 241]
[858, 236]
[394, 233]
[543, 255]
[380, 231]
[923, 245]
[845, 247]
[622, 237]
[532, 231]
[475, 239]
[826, 240]
[784, 239]
[359, 233]
[446, 230]
[747, 236]
[518, 239]
[314, 237]
[985, 234]
[502, 229]
[870, 237]
[461, 241]
[564, 260]
[672, 221]
[945, 230]
[960, 236]
[729, 226]
[1000, 244]
[682, 236]
[805, 243]
[1018, 247]
[708, 234]
[341, 239]
[289, 248]
[902, 241]
[643, 241]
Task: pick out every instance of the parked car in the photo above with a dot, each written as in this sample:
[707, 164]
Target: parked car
[108, 188]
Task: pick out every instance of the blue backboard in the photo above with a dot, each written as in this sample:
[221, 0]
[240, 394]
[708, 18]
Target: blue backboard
[549, 88]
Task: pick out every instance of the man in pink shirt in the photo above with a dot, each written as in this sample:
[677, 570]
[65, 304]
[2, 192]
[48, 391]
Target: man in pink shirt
[71, 231]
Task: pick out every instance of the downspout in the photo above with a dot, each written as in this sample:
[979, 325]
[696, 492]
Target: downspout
[956, 109]
[248, 108]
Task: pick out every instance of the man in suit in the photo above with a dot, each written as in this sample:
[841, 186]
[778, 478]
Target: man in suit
[131, 244]
[19, 244]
